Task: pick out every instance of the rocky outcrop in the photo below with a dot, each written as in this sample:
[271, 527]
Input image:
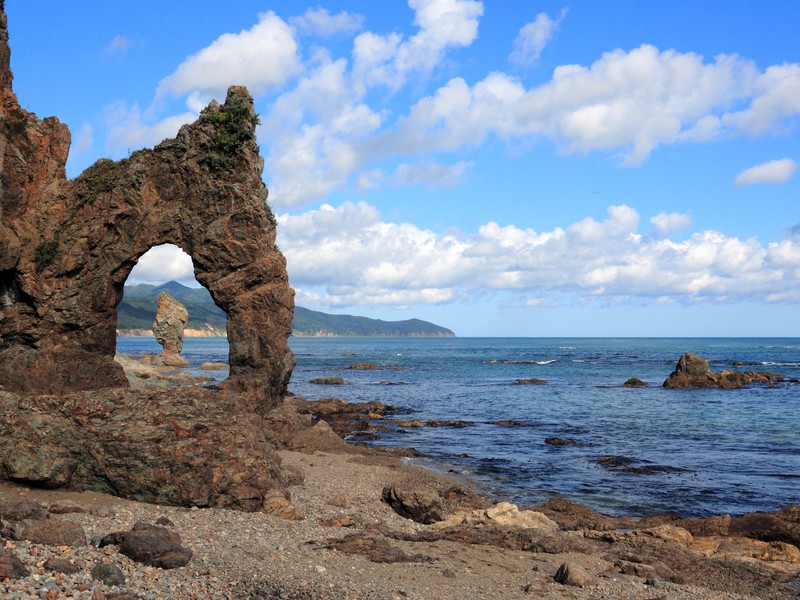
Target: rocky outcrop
[192, 447]
[67, 246]
[171, 319]
[693, 372]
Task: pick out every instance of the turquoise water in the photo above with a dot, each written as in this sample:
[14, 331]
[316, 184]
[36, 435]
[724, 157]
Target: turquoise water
[708, 451]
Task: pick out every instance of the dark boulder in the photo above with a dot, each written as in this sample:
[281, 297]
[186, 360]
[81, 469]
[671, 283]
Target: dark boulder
[150, 545]
[420, 505]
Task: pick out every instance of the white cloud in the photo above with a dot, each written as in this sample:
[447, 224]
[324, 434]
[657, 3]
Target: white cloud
[333, 127]
[262, 58]
[671, 223]
[443, 24]
[432, 175]
[533, 37]
[161, 264]
[358, 259]
[320, 22]
[118, 44]
[130, 128]
[774, 171]
[84, 140]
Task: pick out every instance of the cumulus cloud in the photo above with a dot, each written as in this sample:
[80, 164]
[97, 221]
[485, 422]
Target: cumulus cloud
[262, 58]
[774, 171]
[533, 37]
[389, 59]
[671, 223]
[358, 259]
[432, 175]
[161, 264]
[320, 22]
[330, 125]
[84, 140]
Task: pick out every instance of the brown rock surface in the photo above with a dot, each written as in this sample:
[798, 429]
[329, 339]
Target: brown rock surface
[67, 246]
[188, 446]
[693, 372]
[171, 319]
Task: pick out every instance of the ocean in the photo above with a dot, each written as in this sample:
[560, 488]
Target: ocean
[696, 452]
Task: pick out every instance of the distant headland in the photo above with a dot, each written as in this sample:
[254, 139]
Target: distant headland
[137, 311]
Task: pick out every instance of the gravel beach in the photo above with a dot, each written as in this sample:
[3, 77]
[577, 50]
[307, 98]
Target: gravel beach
[256, 555]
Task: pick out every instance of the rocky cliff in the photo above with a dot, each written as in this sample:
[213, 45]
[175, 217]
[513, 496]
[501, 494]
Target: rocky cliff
[67, 246]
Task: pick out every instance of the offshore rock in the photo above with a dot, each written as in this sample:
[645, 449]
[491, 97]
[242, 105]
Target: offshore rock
[188, 447]
[171, 319]
[68, 246]
[693, 372]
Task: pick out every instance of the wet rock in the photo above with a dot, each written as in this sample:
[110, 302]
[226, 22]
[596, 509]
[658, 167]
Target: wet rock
[150, 545]
[572, 574]
[54, 533]
[328, 381]
[60, 565]
[509, 423]
[693, 372]
[635, 382]
[447, 423]
[11, 567]
[531, 381]
[420, 505]
[557, 441]
[110, 575]
[413, 423]
[363, 366]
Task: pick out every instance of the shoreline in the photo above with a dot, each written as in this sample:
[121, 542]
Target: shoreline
[339, 548]
[358, 522]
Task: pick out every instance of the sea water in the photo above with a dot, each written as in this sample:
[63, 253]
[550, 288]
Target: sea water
[697, 452]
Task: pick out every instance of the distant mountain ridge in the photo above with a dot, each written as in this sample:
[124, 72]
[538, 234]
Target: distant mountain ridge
[137, 311]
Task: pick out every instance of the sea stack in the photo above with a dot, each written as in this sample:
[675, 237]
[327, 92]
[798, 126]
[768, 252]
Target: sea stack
[170, 322]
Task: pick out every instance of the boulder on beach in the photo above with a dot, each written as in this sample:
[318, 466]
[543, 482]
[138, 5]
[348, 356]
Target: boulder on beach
[693, 372]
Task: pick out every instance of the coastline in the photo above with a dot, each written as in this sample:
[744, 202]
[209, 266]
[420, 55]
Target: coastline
[327, 553]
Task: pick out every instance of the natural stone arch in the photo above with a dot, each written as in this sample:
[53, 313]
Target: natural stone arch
[67, 247]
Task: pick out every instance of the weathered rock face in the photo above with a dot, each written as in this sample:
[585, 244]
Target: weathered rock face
[171, 319]
[67, 246]
[195, 447]
[693, 372]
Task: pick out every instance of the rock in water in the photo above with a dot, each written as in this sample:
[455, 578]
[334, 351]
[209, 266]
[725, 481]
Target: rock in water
[68, 245]
[171, 319]
[693, 372]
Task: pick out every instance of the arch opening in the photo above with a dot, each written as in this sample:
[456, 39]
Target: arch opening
[167, 268]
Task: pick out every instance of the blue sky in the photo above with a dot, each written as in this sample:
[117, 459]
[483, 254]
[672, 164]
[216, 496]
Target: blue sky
[500, 168]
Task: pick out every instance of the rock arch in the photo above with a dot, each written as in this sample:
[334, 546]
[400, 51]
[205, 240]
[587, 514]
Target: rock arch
[68, 246]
